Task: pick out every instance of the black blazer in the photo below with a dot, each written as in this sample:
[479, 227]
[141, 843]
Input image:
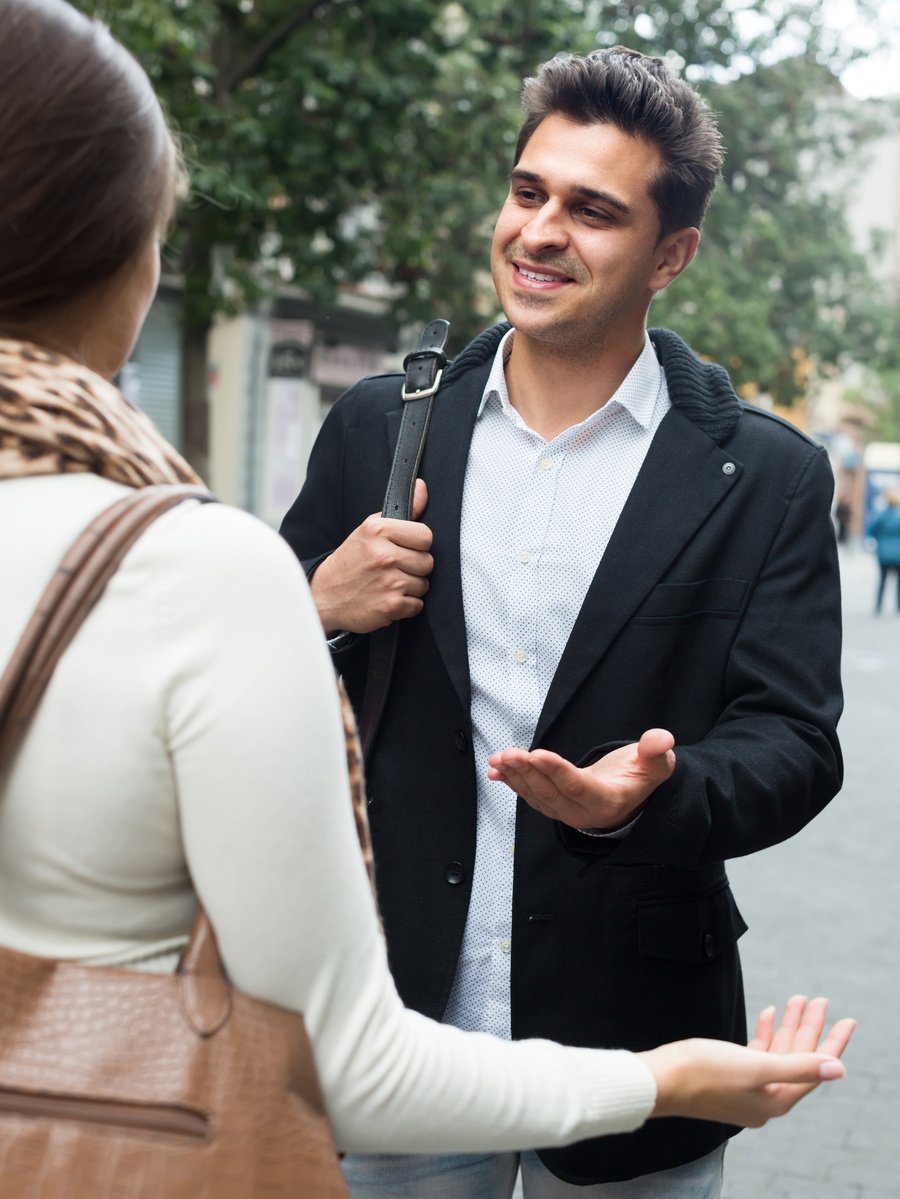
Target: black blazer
[715, 613]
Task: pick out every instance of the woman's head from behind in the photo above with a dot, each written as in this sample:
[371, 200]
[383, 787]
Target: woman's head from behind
[88, 173]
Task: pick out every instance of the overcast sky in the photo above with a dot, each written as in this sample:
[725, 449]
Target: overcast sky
[878, 73]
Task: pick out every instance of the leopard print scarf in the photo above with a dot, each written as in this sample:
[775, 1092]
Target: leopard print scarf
[58, 417]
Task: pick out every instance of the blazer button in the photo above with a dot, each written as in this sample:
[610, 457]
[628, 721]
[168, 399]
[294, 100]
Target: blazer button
[454, 873]
[461, 741]
[709, 946]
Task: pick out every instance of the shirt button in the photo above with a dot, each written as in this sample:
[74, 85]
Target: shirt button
[454, 873]
[547, 464]
[505, 946]
[521, 656]
[728, 468]
[524, 556]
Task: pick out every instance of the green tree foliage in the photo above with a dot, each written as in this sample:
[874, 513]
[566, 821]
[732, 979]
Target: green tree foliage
[330, 141]
[778, 282]
[879, 390]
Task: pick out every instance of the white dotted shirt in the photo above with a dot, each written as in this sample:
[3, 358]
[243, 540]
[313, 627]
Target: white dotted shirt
[537, 517]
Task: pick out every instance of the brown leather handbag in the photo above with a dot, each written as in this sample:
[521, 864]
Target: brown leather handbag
[118, 1083]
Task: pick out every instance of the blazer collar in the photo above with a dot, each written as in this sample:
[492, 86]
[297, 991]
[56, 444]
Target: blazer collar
[702, 391]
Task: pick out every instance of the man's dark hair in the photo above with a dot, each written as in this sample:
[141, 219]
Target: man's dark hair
[640, 96]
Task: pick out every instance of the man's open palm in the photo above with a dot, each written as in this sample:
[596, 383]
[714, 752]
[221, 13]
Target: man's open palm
[603, 796]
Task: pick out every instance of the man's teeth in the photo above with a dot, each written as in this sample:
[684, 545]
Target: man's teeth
[539, 278]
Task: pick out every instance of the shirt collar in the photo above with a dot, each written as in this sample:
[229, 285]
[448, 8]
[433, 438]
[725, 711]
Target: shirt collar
[637, 393]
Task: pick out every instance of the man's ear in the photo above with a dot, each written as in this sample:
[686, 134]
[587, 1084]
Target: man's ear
[672, 255]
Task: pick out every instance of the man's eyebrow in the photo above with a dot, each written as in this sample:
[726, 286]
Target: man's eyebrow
[587, 193]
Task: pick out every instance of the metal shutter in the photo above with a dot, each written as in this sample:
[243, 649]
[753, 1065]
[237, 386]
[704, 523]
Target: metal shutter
[157, 359]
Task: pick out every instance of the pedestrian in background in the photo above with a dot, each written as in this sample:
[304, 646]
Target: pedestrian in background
[843, 515]
[190, 742]
[619, 603]
[886, 531]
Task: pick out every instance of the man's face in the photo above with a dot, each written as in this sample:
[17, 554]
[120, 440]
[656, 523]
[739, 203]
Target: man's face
[576, 254]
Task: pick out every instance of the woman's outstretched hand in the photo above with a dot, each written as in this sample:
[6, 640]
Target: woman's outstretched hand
[715, 1080]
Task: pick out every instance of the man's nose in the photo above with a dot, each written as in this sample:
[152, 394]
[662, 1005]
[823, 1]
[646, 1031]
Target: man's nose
[546, 228]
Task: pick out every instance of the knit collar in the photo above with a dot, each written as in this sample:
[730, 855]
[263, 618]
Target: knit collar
[58, 417]
[701, 390]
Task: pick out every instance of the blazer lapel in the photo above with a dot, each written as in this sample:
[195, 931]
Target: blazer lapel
[444, 469]
[680, 483]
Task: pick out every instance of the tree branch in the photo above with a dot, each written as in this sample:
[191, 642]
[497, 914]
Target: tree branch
[276, 37]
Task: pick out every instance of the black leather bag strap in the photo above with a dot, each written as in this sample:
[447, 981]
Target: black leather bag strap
[424, 368]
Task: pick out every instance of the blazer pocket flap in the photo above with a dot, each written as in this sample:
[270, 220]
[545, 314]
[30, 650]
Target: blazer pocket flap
[706, 597]
[690, 930]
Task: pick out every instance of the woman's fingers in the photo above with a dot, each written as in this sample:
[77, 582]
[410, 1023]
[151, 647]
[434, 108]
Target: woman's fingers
[801, 1029]
[764, 1031]
[812, 1023]
[800, 1068]
[783, 1040]
[837, 1040]
[714, 1080]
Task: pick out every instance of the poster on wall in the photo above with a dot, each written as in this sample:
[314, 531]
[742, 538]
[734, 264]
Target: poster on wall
[288, 395]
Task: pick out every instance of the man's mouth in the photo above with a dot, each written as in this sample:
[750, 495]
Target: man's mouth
[538, 279]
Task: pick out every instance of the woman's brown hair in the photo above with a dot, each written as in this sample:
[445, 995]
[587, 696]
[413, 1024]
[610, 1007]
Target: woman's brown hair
[87, 164]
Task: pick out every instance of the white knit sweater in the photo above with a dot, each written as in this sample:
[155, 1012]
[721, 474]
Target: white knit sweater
[191, 738]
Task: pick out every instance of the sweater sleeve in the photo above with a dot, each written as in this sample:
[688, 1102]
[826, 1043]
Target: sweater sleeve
[256, 744]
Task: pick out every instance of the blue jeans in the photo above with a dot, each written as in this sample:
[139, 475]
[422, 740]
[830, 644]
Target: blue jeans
[493, 1176]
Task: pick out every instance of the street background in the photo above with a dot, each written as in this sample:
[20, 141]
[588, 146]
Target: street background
[823, 914]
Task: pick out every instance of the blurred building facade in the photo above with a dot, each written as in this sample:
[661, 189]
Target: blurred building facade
[837, 414]
[273, 377]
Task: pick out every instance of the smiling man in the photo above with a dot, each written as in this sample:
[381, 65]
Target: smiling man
[618, 659]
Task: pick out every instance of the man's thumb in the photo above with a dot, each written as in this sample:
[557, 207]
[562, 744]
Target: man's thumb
[658, 743]
[420, 499]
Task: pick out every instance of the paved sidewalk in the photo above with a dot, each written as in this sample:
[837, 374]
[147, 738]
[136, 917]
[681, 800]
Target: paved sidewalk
[824, 916]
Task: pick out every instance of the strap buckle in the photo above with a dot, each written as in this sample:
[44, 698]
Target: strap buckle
[425, 365]
[422, 393]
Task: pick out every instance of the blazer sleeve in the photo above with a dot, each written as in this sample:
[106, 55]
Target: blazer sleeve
[772, 761]
[317, 522]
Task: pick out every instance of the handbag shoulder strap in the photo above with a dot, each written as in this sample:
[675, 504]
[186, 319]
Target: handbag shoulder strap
[72, 592]
[424, 368]
[76, 586]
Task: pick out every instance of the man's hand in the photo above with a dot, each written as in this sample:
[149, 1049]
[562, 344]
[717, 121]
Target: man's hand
[378, 575]
[604, 796]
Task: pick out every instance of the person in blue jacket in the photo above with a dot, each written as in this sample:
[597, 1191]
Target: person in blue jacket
[886, 531]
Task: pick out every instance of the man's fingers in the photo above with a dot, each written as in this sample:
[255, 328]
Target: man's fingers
[408, 535]
[420, 499]
[532, 784]
[656, 743]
